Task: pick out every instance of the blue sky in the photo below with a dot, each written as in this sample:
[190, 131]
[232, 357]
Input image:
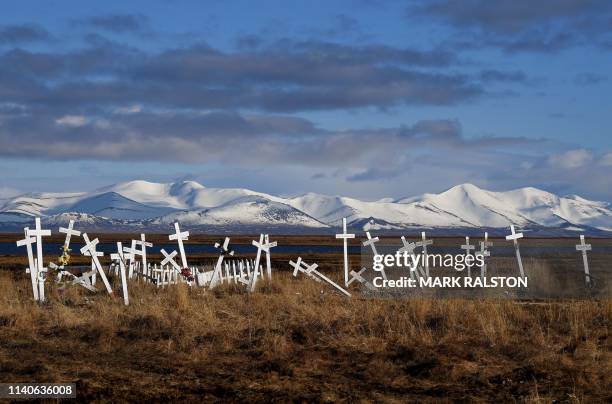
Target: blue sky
[363, 98]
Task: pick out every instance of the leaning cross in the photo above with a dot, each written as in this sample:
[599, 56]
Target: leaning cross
[90, 247]
[345, 236]
[584, 248]
[223, 249]
[169, 259]
[515, 237]
[467, 247]
[39, 234]
[312, 270]
[263, 245]
[28, 241]
[372, 243]
[424, 243]
[69, 233]
[120, 258]
[357, 276]
[180, 237]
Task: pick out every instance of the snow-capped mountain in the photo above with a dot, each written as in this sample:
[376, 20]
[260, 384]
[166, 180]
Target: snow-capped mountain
[144, 204]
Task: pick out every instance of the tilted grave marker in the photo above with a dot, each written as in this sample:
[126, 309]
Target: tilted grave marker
[265, 247]
[223, 249]
[39, 233]
[515, 237]
[143, 249]
[301, 266]
[372, 243]
[64, 259]
[345, 236]
[582, 247]
[180, 237]
[424, 243]
[358, 276]
[120, 258]
[27, 242]
[90, 247]
[468, 247]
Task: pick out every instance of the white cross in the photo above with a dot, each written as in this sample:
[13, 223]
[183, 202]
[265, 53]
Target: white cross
[217, 272]
[424, 243]
[69, 233]
[27, 242]
[180, 237]
[312, 270]
[515, 237]
[584, 248]
[356, 276]
[264, 246]
[269, 255]
[371, 242]
[467, 247]
[39, 233]
[143, 245]
[484, 252]
[90, 246]
[120, 258]
[169, 259]
[345, 236]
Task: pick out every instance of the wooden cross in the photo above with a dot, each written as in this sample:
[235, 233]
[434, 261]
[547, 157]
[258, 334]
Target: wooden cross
[264, 246]
[345, 236]
[144, 244]
[27, 242]
[169, 259]
[484, 252]
[180, 237]
[312, 270]
[424, 243]
[223, 249]
[584, 248]
[133, 252]
[357, 276]
[372, 243]
[69, 233]
[120, 258]
[39, 233]
[515, 237]
[467, 247]
[90, 246]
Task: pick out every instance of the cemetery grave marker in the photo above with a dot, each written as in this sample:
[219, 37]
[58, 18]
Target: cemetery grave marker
[515, 237]
[345, 236]
[312, 269]
[584, 248]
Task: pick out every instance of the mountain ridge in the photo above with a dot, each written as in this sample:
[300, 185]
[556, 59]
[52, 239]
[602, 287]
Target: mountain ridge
[145, 204]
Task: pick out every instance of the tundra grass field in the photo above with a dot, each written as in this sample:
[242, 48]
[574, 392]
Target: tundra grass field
[297, 340]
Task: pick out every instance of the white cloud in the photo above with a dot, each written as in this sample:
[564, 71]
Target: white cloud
[571, 159]
[132, 109]
[606, 160]
[73, 121]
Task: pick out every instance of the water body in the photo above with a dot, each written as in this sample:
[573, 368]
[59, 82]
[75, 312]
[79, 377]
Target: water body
[10, 248]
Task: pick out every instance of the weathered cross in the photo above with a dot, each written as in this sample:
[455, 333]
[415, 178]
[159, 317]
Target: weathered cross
[345, 236]
[515, 237]
[371, 241]
[27, 242]
[223, 249]
[69, 233]
[120, 258]
[424, 243]
[133, 252]
[312, 270]
[584, 248]
[180, 237]
[467, 247]
[90, 247]
[169, 259]
[264, 246]
[357, 276]
[484, 252]
[39, 233]
[143, 248]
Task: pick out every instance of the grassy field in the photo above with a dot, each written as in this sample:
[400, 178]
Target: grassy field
[296, 340]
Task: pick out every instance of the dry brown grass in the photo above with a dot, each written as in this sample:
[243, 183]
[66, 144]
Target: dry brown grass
[297, 340]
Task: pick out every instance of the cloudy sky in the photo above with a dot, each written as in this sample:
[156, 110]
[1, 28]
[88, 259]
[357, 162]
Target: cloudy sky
[364, 98]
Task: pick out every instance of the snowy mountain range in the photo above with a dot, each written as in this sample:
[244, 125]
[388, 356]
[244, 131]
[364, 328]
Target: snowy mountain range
[136, 205]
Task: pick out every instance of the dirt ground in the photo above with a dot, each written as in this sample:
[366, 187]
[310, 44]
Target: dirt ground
[296, 340]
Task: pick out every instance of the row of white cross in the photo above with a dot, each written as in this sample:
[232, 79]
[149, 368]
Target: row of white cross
[127, 266]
